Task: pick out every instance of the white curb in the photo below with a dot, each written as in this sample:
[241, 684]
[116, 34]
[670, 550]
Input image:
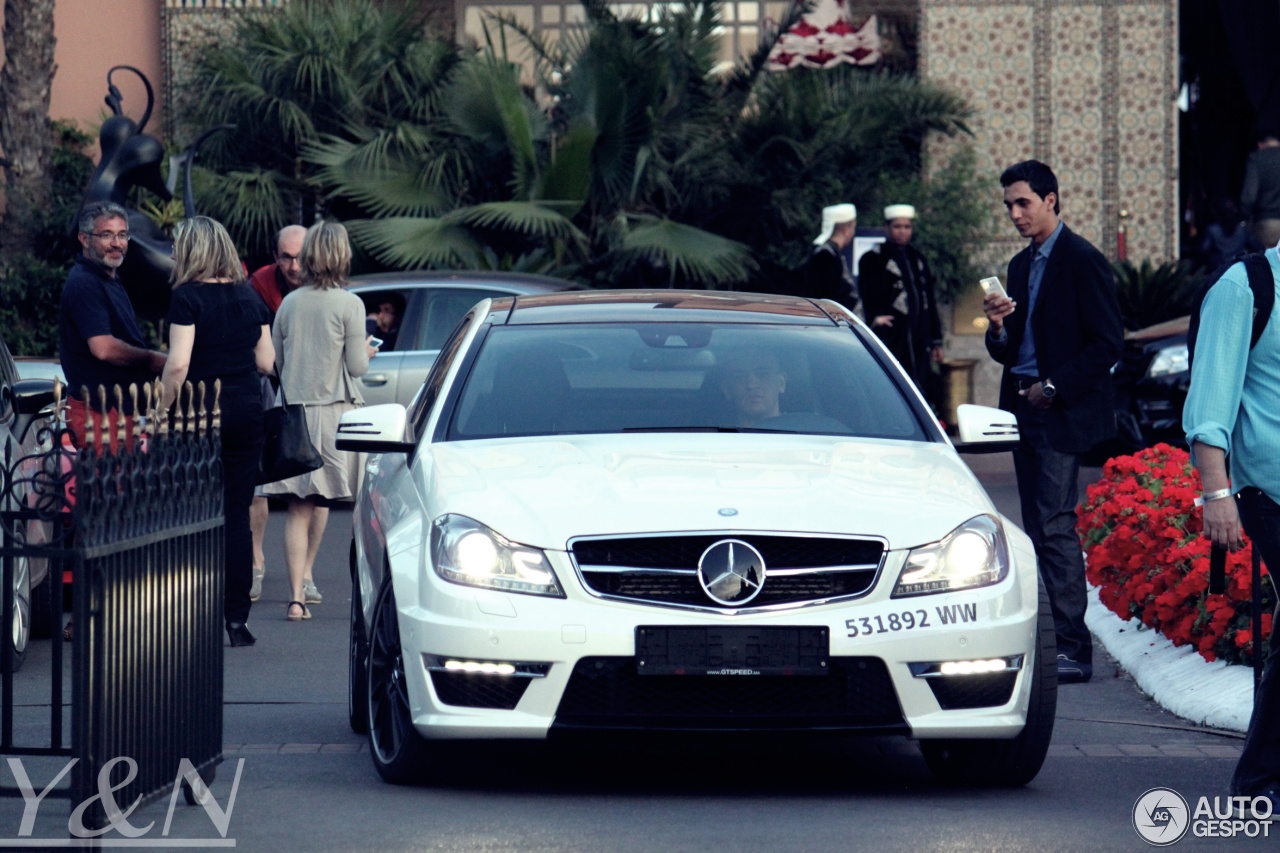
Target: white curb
[1177, 678]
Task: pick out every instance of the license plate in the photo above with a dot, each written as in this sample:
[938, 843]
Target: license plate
[732, 650]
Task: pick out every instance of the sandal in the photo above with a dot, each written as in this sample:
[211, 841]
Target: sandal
[288, 612]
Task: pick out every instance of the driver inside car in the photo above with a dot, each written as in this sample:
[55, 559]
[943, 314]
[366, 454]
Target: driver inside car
[752, 382]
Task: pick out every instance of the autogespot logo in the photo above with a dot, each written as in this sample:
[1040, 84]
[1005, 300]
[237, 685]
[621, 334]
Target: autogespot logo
[1160, 816]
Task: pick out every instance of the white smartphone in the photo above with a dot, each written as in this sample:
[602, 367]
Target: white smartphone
[376, 343]
[993, 285]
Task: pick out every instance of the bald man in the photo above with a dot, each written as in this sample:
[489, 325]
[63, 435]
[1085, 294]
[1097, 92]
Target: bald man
[273, 282]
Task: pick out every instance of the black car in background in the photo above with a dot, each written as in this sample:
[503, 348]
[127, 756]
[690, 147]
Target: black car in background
[1150, 383]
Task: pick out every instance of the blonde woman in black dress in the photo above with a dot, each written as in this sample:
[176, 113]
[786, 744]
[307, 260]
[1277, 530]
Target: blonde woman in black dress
[218, 330]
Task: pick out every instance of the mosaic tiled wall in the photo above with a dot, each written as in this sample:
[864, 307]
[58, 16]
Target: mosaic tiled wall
[1087, 86]
[186, 33]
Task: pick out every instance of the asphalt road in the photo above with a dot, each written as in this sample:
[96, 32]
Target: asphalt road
[305, 781]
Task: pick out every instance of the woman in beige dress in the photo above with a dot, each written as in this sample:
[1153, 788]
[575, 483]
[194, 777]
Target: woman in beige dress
[321, 347]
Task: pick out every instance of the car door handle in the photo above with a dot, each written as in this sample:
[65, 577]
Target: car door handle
[375, 379]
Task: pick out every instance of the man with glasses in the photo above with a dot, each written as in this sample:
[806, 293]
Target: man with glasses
[274, 281]
[99, 339]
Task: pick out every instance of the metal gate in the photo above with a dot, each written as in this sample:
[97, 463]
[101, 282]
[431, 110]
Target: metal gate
[138, 533]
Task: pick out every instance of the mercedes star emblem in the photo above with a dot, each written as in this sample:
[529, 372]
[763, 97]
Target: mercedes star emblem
[731, 572]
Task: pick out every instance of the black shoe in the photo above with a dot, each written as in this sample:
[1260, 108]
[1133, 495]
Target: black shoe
[1248, 812]
[238, 633]
[1073, 672]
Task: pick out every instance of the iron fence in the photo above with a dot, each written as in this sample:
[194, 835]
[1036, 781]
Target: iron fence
[138, 530]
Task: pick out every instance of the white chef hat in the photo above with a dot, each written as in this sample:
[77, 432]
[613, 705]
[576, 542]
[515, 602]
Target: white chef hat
[833, 216]
[899, 211]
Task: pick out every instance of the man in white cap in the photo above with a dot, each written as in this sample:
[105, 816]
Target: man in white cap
[899, 298]
[826, 274]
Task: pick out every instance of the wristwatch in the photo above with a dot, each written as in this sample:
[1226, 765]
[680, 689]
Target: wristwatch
[1048, 388]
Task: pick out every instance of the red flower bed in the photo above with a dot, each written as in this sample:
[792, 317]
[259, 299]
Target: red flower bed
[1141, 535]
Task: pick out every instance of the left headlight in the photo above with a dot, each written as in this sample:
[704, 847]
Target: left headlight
[974, 554]
[464, 551]
[1169, 361]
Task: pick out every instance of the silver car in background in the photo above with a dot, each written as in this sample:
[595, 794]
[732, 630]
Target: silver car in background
[22, 406]
[431, 304]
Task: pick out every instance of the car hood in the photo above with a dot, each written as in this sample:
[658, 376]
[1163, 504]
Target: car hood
[546, 491]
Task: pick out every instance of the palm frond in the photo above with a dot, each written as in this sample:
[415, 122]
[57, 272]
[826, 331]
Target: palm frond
[416, 243]
[251, 203]
[488, 106]
[697, 257]
[567, 177]
[379, 176]
[539, 220]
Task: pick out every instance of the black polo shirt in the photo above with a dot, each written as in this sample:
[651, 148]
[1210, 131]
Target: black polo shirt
[95, 303]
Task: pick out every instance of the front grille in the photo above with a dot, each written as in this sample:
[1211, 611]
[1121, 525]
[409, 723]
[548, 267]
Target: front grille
[470, 690]
[607, 693]
[989, 690]
[682, 552]
[663, 569]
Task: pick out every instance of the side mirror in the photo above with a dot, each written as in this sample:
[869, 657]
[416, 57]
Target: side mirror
[32, 400]
[375, 429]
[982, 429]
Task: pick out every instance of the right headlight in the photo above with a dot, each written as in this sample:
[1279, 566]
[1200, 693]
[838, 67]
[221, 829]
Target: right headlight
[974, 554]
[465, 551]
[1169, 361]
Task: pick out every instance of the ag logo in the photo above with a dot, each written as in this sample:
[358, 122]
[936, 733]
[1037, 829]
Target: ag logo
[1161, 816]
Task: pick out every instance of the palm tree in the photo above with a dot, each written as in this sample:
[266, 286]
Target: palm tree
[571, 177]
[323, 68]
[629, 159]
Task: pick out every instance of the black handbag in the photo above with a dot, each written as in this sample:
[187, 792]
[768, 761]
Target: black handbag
[287, 449]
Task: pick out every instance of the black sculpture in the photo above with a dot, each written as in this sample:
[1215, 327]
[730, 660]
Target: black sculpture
[131, 158]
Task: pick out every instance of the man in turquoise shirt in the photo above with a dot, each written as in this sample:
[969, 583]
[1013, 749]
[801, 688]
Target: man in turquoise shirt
[1233, 411]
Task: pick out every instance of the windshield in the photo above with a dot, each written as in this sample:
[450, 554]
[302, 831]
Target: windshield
[603, 378]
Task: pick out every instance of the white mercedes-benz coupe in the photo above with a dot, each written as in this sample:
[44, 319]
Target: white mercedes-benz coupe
[669, 511]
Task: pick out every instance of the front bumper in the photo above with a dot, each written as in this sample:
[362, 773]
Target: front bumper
[570, 664]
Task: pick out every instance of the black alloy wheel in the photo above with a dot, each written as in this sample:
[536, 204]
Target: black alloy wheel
[21, 623]
[399, 753]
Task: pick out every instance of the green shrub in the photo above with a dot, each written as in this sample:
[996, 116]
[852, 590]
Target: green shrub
[31, 284]
[29, 292]
[1151, 293]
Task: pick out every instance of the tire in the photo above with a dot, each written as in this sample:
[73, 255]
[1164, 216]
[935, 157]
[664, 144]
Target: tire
[42, 616]
[199, 794]
[1015, 762]
[399, 753]
[357, 666]
[42, 610]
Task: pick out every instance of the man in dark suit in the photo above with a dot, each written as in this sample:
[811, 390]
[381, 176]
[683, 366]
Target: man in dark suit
[1057, 333]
